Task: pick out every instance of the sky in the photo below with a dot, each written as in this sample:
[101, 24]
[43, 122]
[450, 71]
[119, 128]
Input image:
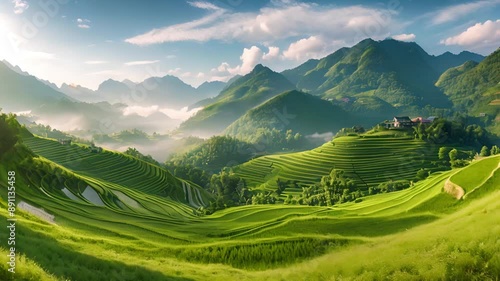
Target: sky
[85, 42]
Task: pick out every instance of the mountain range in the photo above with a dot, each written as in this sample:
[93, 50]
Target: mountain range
[400, 73]
[373, 80]
[167, 92]
[363, 84]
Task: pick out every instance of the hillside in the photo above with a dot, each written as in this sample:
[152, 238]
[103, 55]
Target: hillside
[294, 111]
[379, 69]
[399, 235]
[22, 92]
[474, 88]
[367, 159]
[243, 94]
[141, 176]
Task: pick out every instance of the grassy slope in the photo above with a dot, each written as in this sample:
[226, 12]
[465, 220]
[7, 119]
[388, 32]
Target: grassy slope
[292, 111]
[128, 246]
[374, 158]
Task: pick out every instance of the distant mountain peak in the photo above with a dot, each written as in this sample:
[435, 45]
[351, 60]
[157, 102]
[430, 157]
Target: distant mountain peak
[259, 67]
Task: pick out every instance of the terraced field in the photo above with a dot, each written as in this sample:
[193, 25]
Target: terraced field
[116, 181]
[368, 159]
[137, 235]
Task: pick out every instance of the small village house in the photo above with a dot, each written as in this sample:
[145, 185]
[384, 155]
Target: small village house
[402, 122]
[64, 141]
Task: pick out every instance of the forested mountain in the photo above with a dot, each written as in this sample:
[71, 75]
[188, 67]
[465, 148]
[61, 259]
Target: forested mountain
[379, 69]
[474, 88]
[243, 94]
[294, 111]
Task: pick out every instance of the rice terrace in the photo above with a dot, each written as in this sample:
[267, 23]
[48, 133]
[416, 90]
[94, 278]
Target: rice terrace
[249, 140]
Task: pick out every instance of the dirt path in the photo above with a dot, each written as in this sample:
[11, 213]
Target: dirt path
[453, 189]
[37, 212]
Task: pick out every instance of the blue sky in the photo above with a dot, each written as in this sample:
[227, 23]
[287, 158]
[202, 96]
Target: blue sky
[88, 41]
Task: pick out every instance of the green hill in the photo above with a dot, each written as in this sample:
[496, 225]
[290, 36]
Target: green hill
[300, 112]
[368, 159]
[243, 94]
[108, 171]
[379, 69]
[474, 88]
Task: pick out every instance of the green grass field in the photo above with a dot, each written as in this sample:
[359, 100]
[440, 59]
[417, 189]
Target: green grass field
[147, 230]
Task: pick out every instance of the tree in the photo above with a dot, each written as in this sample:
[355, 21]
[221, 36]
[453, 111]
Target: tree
[453, 155]
[422, 174]
[484, 151]
[443, 153]
[281, 187]
[495, 150]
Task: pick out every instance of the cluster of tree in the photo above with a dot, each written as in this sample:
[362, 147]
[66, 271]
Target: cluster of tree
[391, 186]
[214, 154]
[146, 158]
[9, 130]
[444, 131]
[487, 152]
[271, 140]
[333, 189]
[264, 198]
[127, 136]
[46, 131]
[355, 130]
[193, 174]
[456, 158]
[229, 190]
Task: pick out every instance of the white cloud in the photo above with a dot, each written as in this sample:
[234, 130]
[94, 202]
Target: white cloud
[182, 114]
[249, 59]
[204, 5]
[272, 54]
[312, 47]
[141, 62]
[20, 6]
[143, 111]
[405, 37]
[171, 57]
[481, 36]
[83, 23]
[96, 62]
[179, 73]
[278, 22]
[455, 12]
